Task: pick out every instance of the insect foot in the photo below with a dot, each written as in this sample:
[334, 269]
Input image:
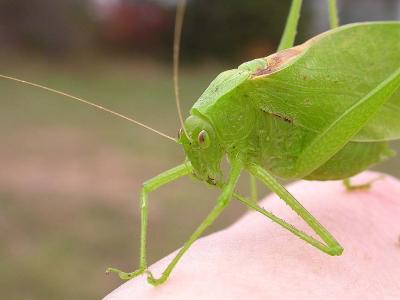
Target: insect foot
[153, 281]
[335, 250]
[125, 275]
[364, 186]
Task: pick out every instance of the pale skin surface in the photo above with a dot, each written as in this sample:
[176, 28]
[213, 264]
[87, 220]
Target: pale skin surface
[257, 259]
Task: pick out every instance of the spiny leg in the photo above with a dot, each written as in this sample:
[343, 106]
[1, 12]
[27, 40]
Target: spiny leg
[283, 223]
[222, 202]
[253, 188]
[250, 203]
[332, 247]
[333, 14]
[289, 34]
[363, 186]
[148, 187]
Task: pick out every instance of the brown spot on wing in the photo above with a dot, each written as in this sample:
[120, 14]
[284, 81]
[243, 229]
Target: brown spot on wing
[277, 60]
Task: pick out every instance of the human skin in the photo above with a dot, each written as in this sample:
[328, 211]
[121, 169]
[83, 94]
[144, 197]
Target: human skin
[256, 259]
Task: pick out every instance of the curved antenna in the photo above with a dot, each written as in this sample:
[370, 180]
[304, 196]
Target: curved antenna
[180, 13]
[88, 103]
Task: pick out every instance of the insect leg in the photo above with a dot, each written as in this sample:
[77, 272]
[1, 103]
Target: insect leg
[148, 187]
[289, 34]
[222, 202]
[363, 186]
[333, 14]
[331, 246]
[253, 188]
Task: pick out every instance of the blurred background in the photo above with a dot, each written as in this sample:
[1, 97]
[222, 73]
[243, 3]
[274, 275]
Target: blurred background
[70, 175]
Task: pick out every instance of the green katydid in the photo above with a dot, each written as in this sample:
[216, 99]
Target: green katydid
[323, 110]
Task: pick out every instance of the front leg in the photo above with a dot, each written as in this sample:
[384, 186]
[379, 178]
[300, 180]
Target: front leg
[222, 202]
[148, 187]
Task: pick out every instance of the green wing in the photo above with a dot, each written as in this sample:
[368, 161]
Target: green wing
[315, 83]
[385, 125]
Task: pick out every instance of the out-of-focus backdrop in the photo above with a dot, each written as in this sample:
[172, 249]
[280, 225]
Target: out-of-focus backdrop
[70, 175]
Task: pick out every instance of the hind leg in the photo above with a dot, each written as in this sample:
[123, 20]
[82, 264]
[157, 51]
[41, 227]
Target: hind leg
[253, 188]
[363, 186]
[330, 245]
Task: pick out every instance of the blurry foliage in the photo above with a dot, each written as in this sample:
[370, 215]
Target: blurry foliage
[137, 27]
[224, 29]
[234, 28]
[53, 28]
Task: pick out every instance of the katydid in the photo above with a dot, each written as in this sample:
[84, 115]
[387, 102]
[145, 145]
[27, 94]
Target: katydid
[322, 110]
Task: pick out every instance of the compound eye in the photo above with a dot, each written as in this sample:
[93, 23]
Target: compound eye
[204, 139]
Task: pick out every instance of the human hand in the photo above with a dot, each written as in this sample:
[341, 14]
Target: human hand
[256, 259]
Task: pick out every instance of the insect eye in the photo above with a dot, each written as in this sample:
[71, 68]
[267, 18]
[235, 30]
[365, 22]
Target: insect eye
[203, 139]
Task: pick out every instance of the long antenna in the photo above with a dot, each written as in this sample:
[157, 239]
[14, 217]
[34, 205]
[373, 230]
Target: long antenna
[180, 13]
[88, 103]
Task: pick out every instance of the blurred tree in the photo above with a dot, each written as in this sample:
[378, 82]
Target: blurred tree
[225, 29]
[234, 28]
[352, 11]
[137, 26]
[53, 28]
